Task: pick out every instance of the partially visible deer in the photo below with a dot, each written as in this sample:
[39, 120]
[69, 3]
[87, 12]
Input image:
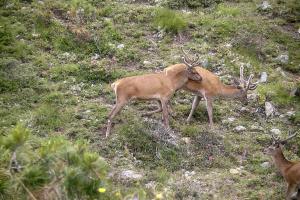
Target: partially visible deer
[289, 170]
[159, 86]
[211, 87]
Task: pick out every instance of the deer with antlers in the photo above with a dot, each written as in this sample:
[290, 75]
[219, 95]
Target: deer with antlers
[159, 86]
[289, 170]
[211, 87]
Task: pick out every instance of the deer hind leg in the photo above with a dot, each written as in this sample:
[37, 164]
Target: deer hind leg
[154, 111]
[209, 110]
[194, 106]
[116, 109]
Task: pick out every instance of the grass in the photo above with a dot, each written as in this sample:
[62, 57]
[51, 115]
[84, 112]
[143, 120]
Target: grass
[51, 81]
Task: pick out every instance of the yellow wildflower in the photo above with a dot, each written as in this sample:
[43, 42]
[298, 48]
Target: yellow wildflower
[159, 196]
[101, 190]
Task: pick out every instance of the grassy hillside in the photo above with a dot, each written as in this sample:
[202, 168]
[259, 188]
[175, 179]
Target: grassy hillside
[58, 59]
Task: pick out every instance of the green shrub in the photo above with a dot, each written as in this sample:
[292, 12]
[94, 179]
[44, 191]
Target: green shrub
[190, 3]
[62, 72]
[169, 20]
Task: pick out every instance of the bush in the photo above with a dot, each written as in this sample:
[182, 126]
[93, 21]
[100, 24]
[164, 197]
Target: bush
[190, 3]
[169, 20]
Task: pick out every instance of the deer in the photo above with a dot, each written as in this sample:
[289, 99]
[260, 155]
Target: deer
[211, 87]
[289, 170]
[155, 86]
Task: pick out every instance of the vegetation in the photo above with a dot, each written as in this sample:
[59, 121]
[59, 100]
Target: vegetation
[58, 59]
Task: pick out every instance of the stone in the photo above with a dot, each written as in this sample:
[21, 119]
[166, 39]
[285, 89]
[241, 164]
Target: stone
[254, 127]
[263, 77]
[95, 57]
[265, 165]
[239, 129]
[269, 109]
[234, 171]
[120, 46]
[146, 62]
[231, 119]
[186, 140]
[265, 5]
[290, 113]
[275, 131]
[130, 174]
[283, 58]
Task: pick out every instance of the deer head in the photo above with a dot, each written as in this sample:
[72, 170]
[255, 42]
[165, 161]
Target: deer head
[275, 147]
[191, 63]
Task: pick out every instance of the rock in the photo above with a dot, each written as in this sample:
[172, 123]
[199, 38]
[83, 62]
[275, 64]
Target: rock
[269, 109]
[283, 58]
[146, 62]
[290, 113]
[231, 119]
[120, 46]
[275, 131]
[263, 77]
[95, 57]
[234, 171]
[186, 140]
[265, 165]
[131, 175]
[205, 63]
[256, 128]
[239, 129]
[265, 5]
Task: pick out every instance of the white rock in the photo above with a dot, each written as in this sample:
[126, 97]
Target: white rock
[146, 62]
[231, 119]
[263, 77]
[265, 5]
[234, 171]
[269, 109]
[283, 58]
[186, 140]
[265, 165]
[239, 129]
[130, 174]
[120, 46]
[256, 128]
[275, 131]
[95, 57]
[290, 113]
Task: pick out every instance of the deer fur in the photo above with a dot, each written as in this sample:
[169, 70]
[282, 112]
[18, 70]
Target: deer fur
[157, 86]
[211, 87]
[289, 170]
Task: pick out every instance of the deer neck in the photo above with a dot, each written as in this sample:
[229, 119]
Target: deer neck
[281, 162]
[178, 79]
[230, 91]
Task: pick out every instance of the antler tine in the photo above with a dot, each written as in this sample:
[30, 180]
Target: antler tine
[185, 62]
[195, 61]
[248, 82]
[290, 137]
[242, 80]
[186, 53]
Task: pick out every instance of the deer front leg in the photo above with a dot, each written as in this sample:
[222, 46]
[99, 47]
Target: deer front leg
[209, 108]
[194, 106]
[165, 113]
[292, 191]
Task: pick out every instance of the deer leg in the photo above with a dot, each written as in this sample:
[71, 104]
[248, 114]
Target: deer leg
[194, 106]
[112, 114]
[291, 193]
[165, 114]
[154, 111]
[208, 102]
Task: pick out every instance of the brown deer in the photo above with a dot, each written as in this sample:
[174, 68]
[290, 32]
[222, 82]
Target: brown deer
[289, 170]
[211, 87]
[159, 86]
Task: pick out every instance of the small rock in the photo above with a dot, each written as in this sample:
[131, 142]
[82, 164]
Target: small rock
[283, 58]
[290, 113]
[265, 5]
[120, 46]
[265, 165]
[205, 63]
[263, 77]
[239, 129]
[256, 128]
[231, 119]
[244, 109]
[186, 140]
[275, 131]
[269, 109]
[234, 171]
[35, 35]
[146, 62]
[95, 57]
[130, 174]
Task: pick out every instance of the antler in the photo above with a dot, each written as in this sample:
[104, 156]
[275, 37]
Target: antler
[188, 61]
[247, 83]
[290, 137]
